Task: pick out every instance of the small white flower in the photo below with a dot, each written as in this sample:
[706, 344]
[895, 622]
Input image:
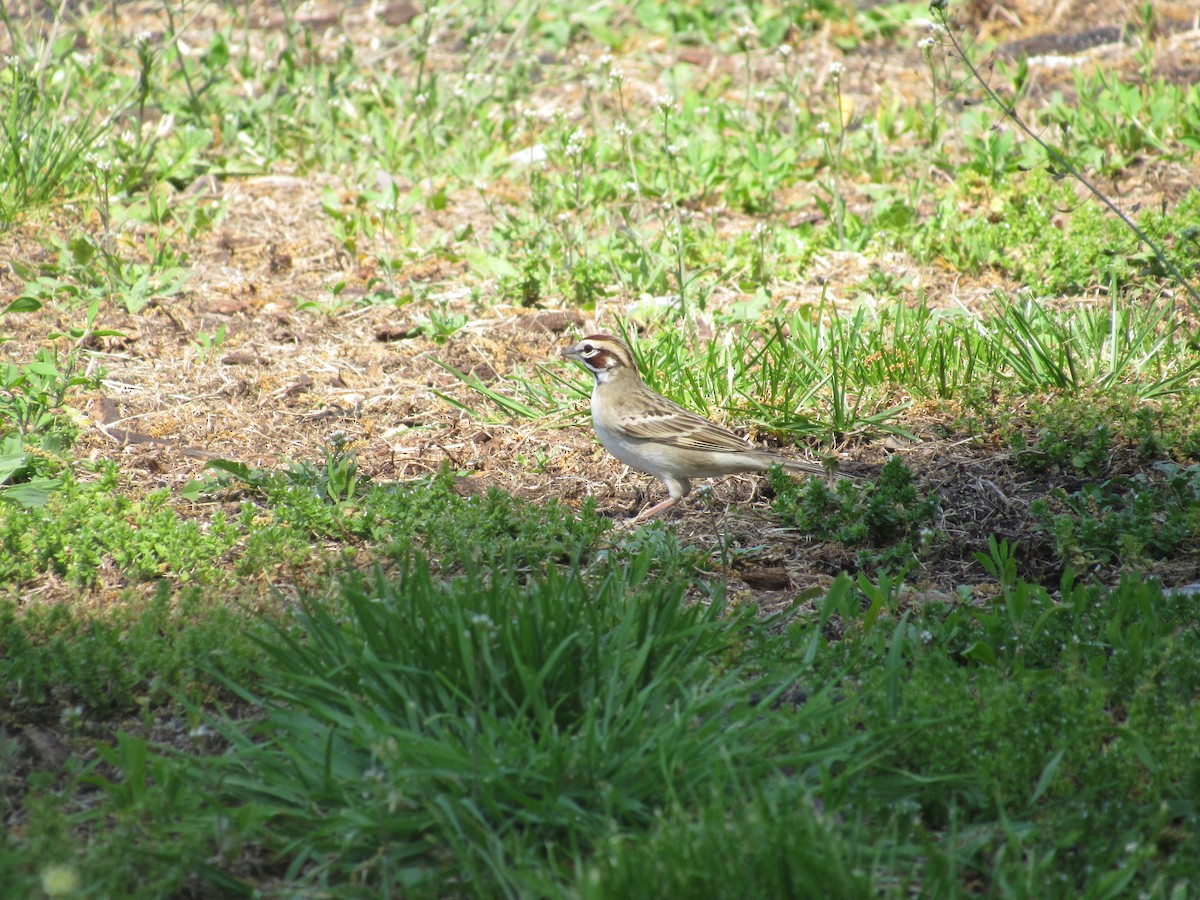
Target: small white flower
[822, 128]
[784, 50]
[60, 881]
[575, 143]
[835, 70]
[665, 103]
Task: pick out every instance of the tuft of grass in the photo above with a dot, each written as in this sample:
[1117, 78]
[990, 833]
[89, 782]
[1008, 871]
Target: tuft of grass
[482, 730]
[776, 842]
[43, 153]
[813, 375]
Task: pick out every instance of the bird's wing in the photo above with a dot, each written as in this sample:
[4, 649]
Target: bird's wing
[669, 423]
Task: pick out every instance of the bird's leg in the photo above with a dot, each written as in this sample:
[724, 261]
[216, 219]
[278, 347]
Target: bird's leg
[647, 515]
[678, 487]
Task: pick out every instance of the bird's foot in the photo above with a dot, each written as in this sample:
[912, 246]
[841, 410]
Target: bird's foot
[646, 515]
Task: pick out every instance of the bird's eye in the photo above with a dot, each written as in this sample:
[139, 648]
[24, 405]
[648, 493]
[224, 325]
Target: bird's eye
[589, 349]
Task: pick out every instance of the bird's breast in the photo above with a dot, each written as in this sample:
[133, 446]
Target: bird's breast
[645, 456]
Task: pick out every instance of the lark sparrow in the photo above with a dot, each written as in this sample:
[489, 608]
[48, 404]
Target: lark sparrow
[652, 434]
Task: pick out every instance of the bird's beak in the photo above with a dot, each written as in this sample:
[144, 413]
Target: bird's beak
[569, 352]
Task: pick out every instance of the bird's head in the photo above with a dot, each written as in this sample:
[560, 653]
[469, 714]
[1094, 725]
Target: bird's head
[601, 354]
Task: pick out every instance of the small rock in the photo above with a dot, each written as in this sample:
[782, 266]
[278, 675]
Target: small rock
[388, 334]
[770, 578]
[240, 358]
[400, 13]
[554, 321]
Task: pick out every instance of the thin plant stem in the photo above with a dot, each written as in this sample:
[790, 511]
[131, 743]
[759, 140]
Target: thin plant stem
[938, 10]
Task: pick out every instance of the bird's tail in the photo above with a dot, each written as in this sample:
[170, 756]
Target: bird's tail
[810, 468]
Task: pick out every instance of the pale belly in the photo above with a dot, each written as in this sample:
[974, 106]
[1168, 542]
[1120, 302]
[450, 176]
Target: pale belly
[644, 456]
[662, 461]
